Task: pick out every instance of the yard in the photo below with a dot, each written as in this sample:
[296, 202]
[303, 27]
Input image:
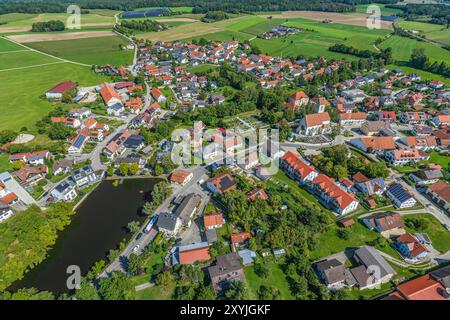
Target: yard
[4, 163]
[433, 228]
[277, 279]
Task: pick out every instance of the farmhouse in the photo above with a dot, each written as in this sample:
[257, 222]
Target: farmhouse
[57, 92]
[373, 144]
[388, 224]
[110, 96]
[440, 194]
[315, 124]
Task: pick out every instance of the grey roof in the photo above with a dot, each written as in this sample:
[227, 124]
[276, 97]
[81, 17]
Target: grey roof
[442, 275]
[247, 256]
[167, 221]
[430, 174]
[333, 271]
[187, 207]
[82, 172]
[360, 274]
[63, 163]
[225, 264]
[64, 187]
[211, 235]
[369, 256]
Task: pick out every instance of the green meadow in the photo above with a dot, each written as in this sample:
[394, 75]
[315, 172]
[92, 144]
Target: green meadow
[100, 51]
[6, 46]
[402, 49]
[435, 32]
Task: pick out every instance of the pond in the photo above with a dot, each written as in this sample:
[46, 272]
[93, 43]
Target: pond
[98, 226]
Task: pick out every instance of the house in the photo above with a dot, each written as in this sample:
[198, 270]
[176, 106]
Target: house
[421, 131]
[436, 84]
[116, 109]
[197, 252]
[68, 121]
[227, 269]
[424, 143]
[110, 96]
[440, 194]
[181, 177]
[315, 124]
[370, 128]
[7, 199]
[170, 223]
[28, 176]
[332, 273]
[371, 262]
[387, 116]
[5, 212]
[62, 166]
[401, 157]
[297, 100]
[369, 186]
[441, 120]
[258, 193]
[426, 177]
[249, 161]
[64, 191]
[33, 158]
[239, 239]
[57, 92]
[116, 146]
[373, 144]
[84, 176]
[78, 144]
[80, 114]
[432, 286]
[131, 159]
[213, 220]
[388, 224]
[297, 169]
[400, 197]
[414, 117]
[354, 95]
[352, 119]
[320, 104]
[247, 256]
[410, 248]
[333, 196]
[157, 95]
[221, 183]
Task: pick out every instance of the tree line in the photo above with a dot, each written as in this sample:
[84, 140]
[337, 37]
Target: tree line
[421, 61]
[48, 26]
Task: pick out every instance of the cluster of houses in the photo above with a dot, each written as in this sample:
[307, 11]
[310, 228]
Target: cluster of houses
[280, 31]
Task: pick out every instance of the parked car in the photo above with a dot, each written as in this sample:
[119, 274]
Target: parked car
[136, 249]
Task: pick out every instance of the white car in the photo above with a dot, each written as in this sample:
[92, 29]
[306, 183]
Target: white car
[136, 249]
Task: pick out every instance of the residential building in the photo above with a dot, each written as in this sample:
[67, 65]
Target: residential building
[352, 119]
[110, 96]
[33, 158]
[370, 128]
[297, 100]
[400, 197]
[369, 186]
[239, 239]
[297, 169]
[441, 120]
[388, 224]
[197, 252]
[373, 144]
[170, 223]
[426, 177]
[333, 196]
[221, 183]
[213, 220]
[84, 176]
[401, 157]
[333, 274]
[157, 95]
[439, 192]
[424, 143]
[414, 117]
[5, 211]
[64, 191]
[258, 193]
[181, 177]
[29, 176]
[315, 124]
[410, 248]
[228, 268]
[62, 166]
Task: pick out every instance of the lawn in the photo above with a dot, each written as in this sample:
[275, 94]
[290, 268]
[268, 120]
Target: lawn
[439, 159]
[424, 74]
[21, 92]
[257, 29]
[4, 163]
[329, 243]
[434, 229]
[246, 24]
[99, 51]
[277, 279]
[156, 293]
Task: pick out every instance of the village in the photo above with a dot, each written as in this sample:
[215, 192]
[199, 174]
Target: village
[370, 149]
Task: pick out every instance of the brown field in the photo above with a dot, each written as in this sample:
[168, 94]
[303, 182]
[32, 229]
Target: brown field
[356, 19]
[25, 38]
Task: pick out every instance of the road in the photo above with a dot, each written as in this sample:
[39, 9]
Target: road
[192, 186]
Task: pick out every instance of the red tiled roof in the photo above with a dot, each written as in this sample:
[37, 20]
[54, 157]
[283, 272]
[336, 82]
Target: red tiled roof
[317, 119]
[212, 220]
[9, 198]
[63, 87]
[194, 255]
[414, 246]
[353, 116]
[442, 189]
[179, 176]
[422, 288]
[299, 166]
[328, 186]
[378, 143]
[238, 238]
[259, 193]
[108, 93]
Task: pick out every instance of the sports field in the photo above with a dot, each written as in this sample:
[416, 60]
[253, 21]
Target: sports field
[25, 76]
[99, 51]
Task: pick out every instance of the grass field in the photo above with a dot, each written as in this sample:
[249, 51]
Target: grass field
[100, 51]
[23, 59]
[362, 8]
[403, 47]
[6, 46]
[435, 32]
[424, 74]
[4, 163]
[21, 92]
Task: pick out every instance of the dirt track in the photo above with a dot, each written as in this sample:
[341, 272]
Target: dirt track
[356, 19]
[25, 38]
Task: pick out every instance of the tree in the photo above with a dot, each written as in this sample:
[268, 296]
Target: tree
[261, 267]
[59, 131]
[164, 278]
[31, 294]
[116, 287]
[98, 267]
[134, 169]
[110, 171]
[87, 291]
[418, 58]
[206, 293]
[236, 291]
[7, 136]
[134, 226]
[134, 264]
[124, 168]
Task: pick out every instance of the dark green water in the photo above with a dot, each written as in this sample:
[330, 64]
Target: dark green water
[99, 225]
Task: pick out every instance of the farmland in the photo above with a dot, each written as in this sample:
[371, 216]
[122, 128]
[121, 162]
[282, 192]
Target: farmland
[101, 50]
[435, 32]
[23, 22]
[23, 88]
